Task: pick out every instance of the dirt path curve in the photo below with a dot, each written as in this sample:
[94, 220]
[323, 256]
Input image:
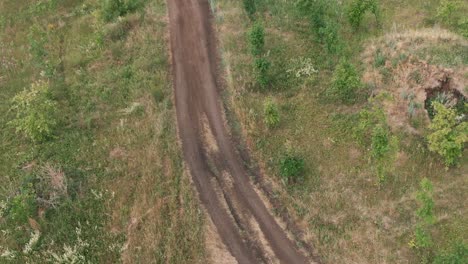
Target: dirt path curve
[246, 227]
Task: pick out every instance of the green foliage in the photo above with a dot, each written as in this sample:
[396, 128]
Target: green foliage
[457, 255]
[35, 112]
[380, 142]
[262, 66]
[383, 150]
[380, 59]
[358, 9]
[346, 82]
[291, 168]
[111, 9]
[329, 34]
[271, 112]
[22, 205]
[422, 238]
[368, 119]
[40, 57]
[448, 136]
[250, 8]
[257, 39]
[446, 11]
[422, 235]
[424, 196]
[323, 17]
[452, 13]
[316, 11]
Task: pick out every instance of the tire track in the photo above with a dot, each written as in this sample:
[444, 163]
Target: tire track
[199, 108]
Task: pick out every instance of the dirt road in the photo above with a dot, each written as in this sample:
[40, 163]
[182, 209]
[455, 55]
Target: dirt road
[246, 227]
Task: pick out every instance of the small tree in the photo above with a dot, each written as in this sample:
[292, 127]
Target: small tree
[262, 66]
[271, 112]
[358, 9]
[345, 82]
[291, 168]
[448, 136]
[250, 8]
[257, 39]
[35, 112]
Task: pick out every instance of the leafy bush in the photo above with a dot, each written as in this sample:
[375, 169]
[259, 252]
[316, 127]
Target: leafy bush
[38, 39]
[358, 9]
[250, 8]
[457, 255]
[111, 9]
[257, 39]
[270, 110]
[446, 11]
[291, 168]
[316, 10]
[422, 236]
[380, 142]
[383, 150]
[448, 136]
[22, 206]
[329, 33]
[35, 112]
[345, 82]
[451, 14]
[369, 117]
[424, 196]
[262, 66]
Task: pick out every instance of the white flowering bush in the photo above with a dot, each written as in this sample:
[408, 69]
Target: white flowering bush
[302, 67]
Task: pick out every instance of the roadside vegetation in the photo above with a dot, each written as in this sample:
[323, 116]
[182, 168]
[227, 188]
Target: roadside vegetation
[364, 130]
[90, 167]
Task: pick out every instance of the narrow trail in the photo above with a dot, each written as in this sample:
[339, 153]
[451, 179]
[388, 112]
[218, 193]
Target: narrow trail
[246, 227]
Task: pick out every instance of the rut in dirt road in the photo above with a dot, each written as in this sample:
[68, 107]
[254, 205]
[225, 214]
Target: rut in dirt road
[242, 220]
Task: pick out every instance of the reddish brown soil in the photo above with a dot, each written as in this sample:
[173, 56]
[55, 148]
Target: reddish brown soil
[219, 173]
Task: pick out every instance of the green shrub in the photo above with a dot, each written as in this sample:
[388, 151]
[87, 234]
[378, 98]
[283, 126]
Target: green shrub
[358, 9]
[111, 9]
[22, 205]
[35, 112]
[257, 39]
[291, 168]
[446, 11]
[38, 39]
[451, 14]
[262, 66]
[457, 255]
[422, 235]
[380, 142]
[424, 196]
[271, 112]
[250, 8]
[448, 136]
[345, 82]
[316, 11]
[329, 33]
[383, 151]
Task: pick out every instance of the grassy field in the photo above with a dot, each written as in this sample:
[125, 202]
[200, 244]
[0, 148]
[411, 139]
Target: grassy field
[349, 213]
[107, 184]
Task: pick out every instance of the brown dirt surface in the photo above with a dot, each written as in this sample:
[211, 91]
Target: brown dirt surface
[200, 113]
